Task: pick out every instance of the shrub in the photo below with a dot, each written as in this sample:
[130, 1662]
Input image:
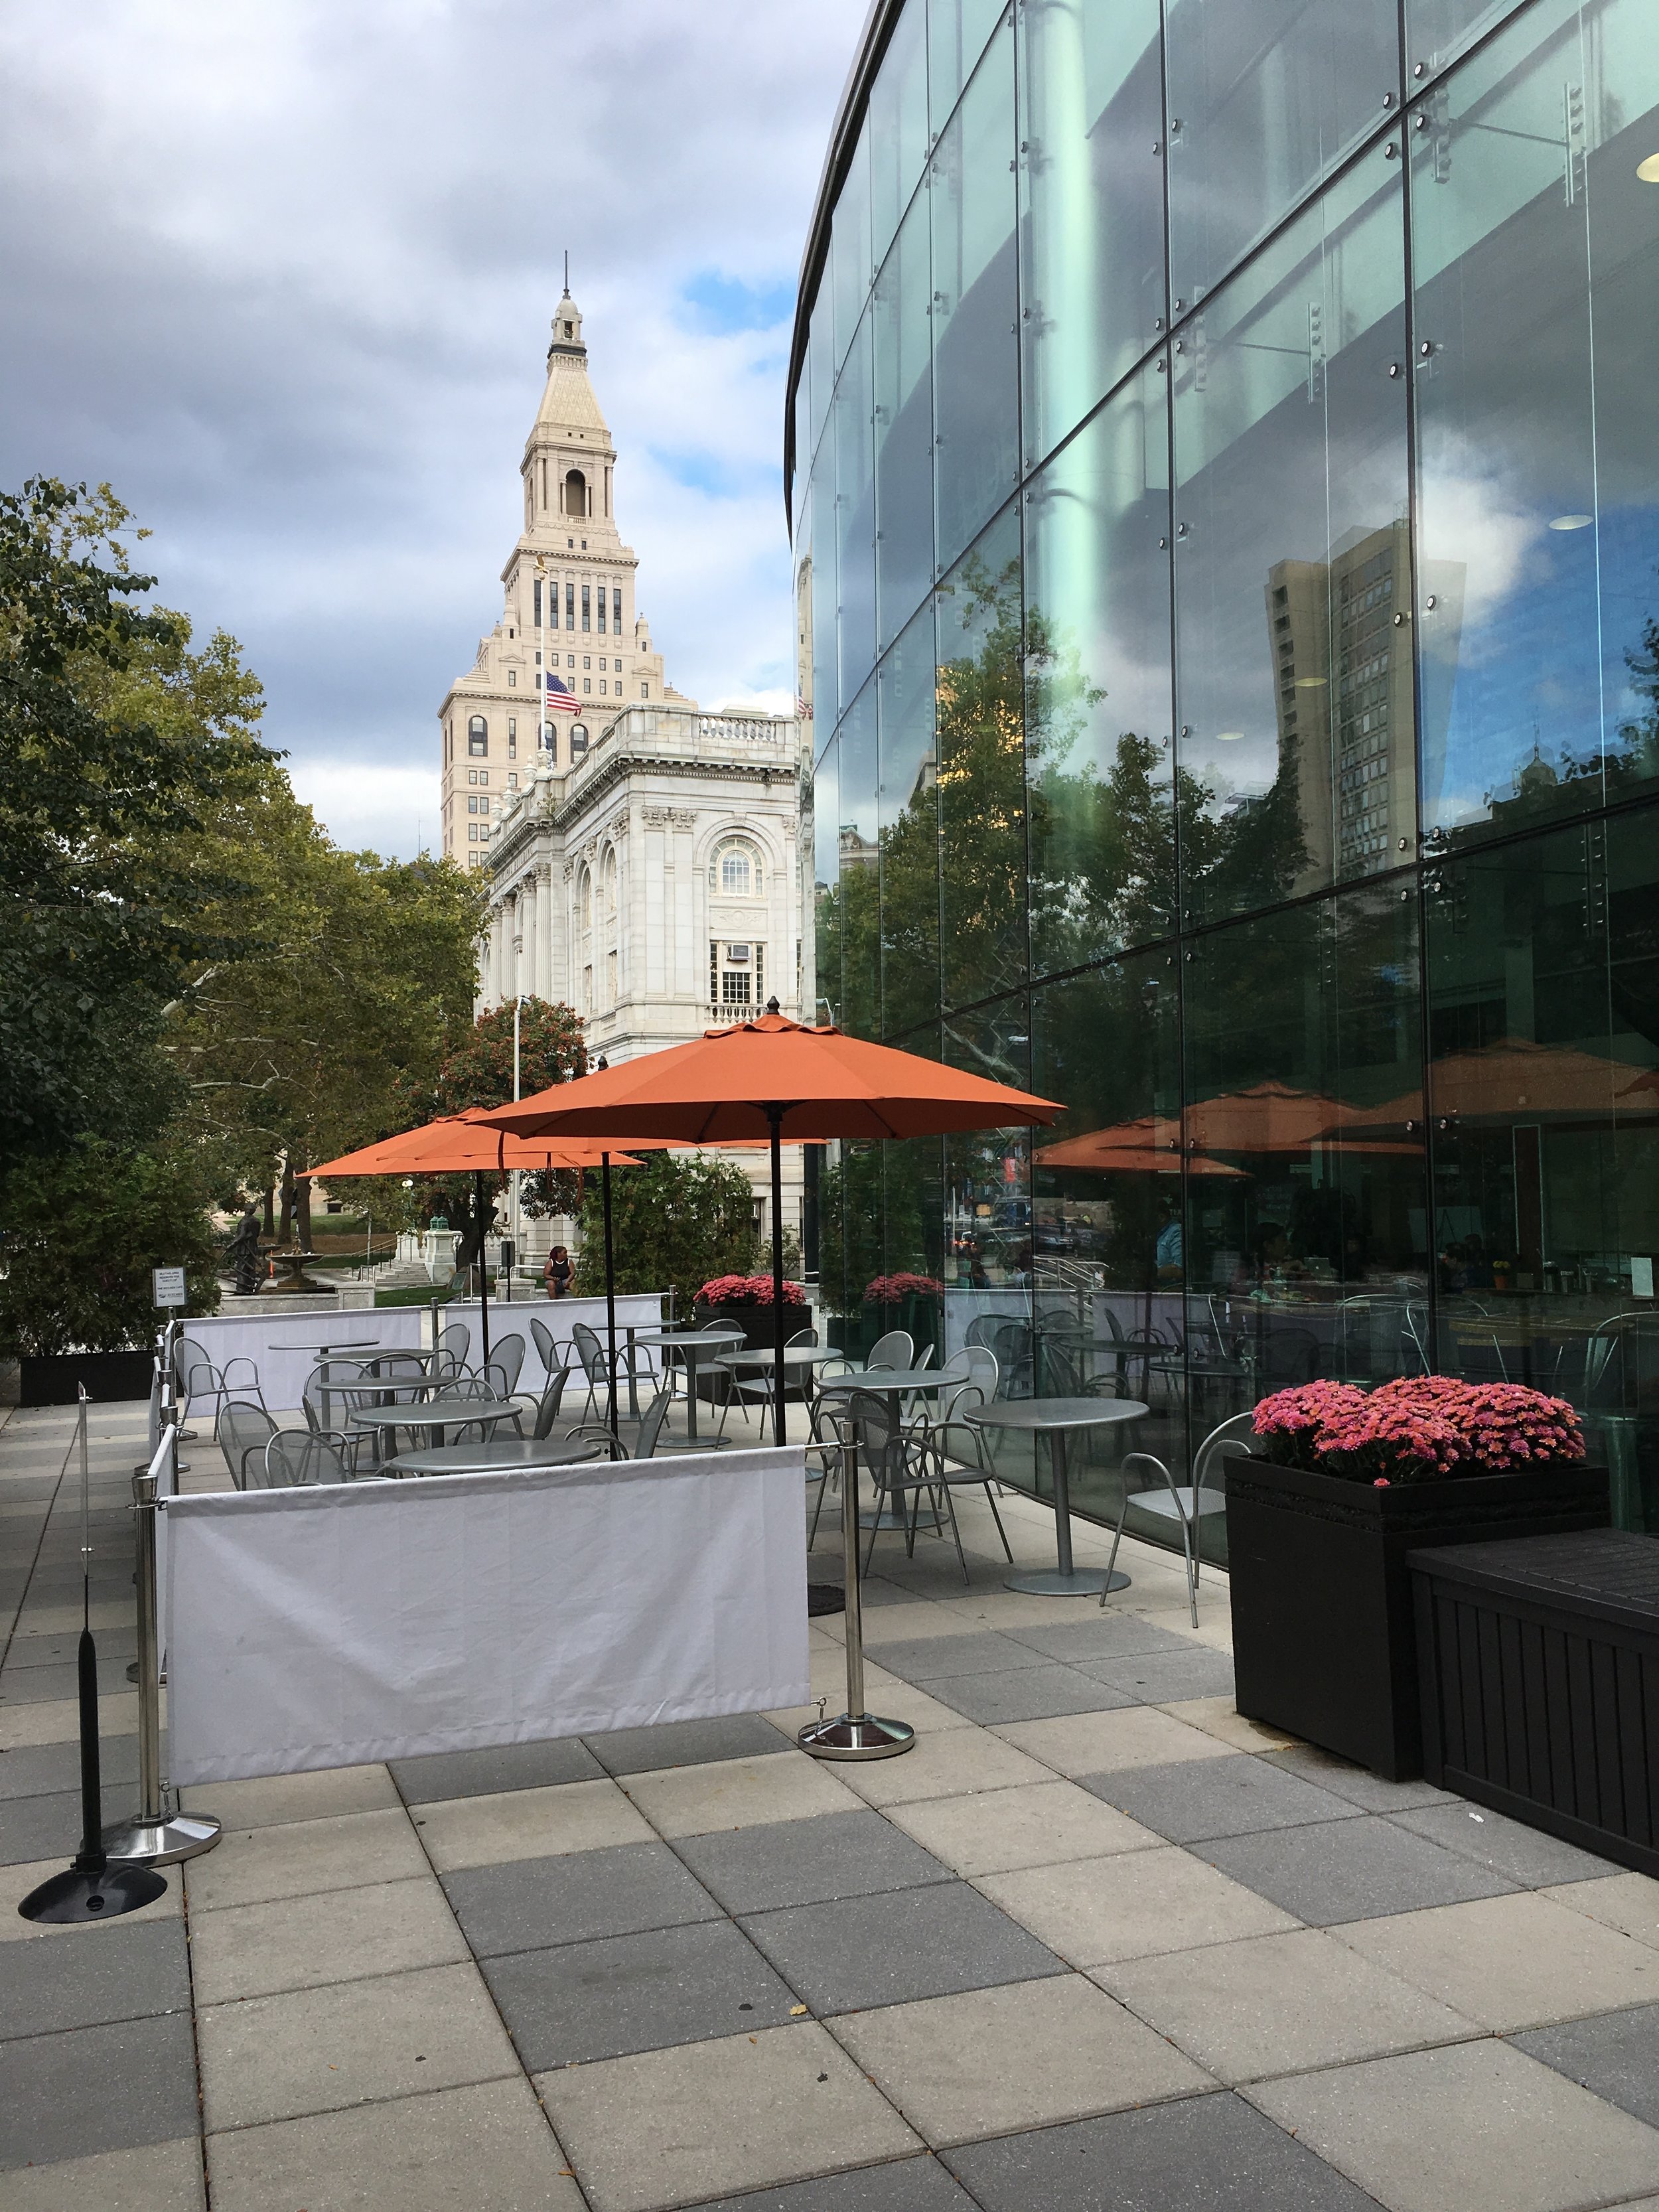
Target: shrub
[747, 1291]
[887, 1290]
[677, 1222]
[1418, 1428]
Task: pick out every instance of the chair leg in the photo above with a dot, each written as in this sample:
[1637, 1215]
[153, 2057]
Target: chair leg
[1192, 1567]
[961, 1557]
[823, 1484]
[1117, 1538]
[875, 1523]
[991, 1501]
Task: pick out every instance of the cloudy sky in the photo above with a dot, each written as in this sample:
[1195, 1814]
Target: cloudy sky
[283, 276]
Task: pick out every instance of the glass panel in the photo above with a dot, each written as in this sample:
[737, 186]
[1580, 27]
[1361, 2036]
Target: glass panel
[1437, 31]
[1099, 757]
[898, 127]
[1264, 97]
[904, 427]
[1544, 1031]
[820, 369]
[811, 736]
[957, 32]
[988, 1203]
[976, 306]
[858, 897]
[826, 885]
[1306, 1232]
[1292, 573]
[982, 771]
[909, 833]
[1538, 419]
[856, 515]
[1107, 1201]
[850, 246]
[1091, 92]
[826, 687]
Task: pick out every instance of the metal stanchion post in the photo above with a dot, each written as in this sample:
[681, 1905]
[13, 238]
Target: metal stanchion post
[155, 1835]
[856, 1734]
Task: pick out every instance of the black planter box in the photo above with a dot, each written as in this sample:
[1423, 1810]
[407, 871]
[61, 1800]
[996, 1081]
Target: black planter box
[1323, 1643]
[108, 1375]
[1539, 1660]
[759, 1327]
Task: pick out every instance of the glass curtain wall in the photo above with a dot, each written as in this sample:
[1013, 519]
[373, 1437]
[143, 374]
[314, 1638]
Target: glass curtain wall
[1226, 499]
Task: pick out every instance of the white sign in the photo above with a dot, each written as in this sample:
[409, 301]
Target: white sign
[169, 1286]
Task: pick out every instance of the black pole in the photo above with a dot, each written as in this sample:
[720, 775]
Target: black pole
[483, 1266]
[610, 1287]
[774, 1120]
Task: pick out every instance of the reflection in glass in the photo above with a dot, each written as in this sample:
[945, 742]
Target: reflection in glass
[1292, 582]
[957, 32]
[858, 899]
[1092, 218]
[1099, 757]
[855, 516]
[820, 371]
[1265, 96]
[826, 877]
[987, 1257]
[1537, 313]
[1437, 31]
[903, 427]
[980, 711]
[898, 129]
[826, 628]
[976, 306]
[909, 817]
[849, 247]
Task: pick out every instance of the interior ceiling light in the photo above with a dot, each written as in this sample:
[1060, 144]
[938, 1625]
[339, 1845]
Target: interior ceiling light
[1648, 170]
[1572, 522]
[1228, 737]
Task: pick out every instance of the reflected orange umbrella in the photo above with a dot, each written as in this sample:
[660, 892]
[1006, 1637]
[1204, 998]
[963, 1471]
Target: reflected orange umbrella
[1101, 1153]
[779, 1080]
[1513, 1079]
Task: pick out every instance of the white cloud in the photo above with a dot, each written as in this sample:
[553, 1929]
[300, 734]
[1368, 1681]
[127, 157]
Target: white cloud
[372, 803]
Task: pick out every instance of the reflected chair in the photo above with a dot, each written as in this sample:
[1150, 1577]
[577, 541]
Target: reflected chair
[1149, 1487]
[242, 1430]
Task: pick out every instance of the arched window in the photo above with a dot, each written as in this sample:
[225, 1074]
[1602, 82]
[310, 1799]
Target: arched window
[575, 492]
[477, 737]
[578, 741]
[585, 899]
[735, 870]
[611, 883]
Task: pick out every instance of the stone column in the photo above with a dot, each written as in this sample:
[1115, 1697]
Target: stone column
[543, 985]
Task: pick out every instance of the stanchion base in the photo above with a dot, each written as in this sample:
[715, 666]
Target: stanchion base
[867, 1737]
[1050, 1582]
[75, 1896]
[162, 1843]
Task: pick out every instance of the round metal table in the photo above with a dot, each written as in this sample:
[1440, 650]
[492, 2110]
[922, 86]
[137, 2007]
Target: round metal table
[487, 1458]
[799, 1358]
[689, 1342]
[1054, 1418]
[434, 1416]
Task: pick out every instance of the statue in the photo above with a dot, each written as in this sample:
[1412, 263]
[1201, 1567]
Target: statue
[242, 1253]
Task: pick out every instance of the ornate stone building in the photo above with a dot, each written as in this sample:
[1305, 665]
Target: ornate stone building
[643, 856]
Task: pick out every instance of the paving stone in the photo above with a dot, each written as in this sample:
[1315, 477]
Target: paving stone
[890, 1949]
[739, 1793]
[619, 1890]
[687, 1743]
[1109, 1636]
[498, 1767]
[920, 1659]
[16, 1882]
[948, 1765]
[320, 2050]
[161, 2177]
[809, 1861]
[488, 2146]
[47, 1827]
[906, 2184]
[1516, 1961]
[1221, 1718]
[1352, 1869]
[129, 1973]
[1200, 2154]
[36, 1685]
[1612, 2054]
[145, 2075]
[1026, 1693]
[656, 2129]
[44, 1770]
[1483, 2127]
[59, 1649]
[990, 2061]
[58, 1720]
[1508, 1847]
[579, 2002]
[336, 1935]
[1034, 1824]
[272, 1800]
[1192, 1799]
[1354, 1782]
[249, 1865]
[527, 1824]
[1628, 1902]
[1098, 1743]
[1276, 2004]
[1161, 1678]
[1091, 1911]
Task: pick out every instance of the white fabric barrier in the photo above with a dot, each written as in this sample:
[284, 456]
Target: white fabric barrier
[332, 1624]
[271, 1341]
[639, 1309]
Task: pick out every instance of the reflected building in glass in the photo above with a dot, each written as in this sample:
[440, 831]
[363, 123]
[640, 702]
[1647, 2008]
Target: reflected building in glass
[1222, 453]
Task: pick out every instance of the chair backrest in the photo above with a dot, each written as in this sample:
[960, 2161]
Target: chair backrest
[542, 1337]
[242, 1428]
[1232, 1439]
[589, 1351]
[953, 1404]
[547, 1409]
[650, 1428]
[195, 1369]
[895, 1349]
[924, 1358]
[293, 1456]
[983, 1367]
[872, 1427]
[455, 1339]
[803, 1336]
[507, 1354]
[325, 1390]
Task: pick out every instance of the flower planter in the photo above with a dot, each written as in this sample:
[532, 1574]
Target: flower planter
[1323, 1643]
[108, 1375]
[759, 1333]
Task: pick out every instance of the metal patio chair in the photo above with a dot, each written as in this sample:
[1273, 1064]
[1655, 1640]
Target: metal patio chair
[242, 1430]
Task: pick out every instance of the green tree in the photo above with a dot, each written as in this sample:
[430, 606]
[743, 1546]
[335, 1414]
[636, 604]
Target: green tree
[678, 1220]
[477, 1070]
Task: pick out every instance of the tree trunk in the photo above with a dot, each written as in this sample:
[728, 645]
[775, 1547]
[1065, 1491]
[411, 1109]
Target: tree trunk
[287, 1229]
[302, 1213]
[270, 1210]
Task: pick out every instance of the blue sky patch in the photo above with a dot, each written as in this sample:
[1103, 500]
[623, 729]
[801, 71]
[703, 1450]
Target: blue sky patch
[721, 303]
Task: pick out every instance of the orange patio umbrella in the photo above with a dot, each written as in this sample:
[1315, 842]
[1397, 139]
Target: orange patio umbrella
[1148, 1146]
[780, 1081]
[1517, 1079]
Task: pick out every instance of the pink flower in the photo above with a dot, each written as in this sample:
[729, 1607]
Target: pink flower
[1417, 1426]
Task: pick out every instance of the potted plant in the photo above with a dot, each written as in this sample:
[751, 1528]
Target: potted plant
[746, 1302]
[903, 1301]
[1319, 1526]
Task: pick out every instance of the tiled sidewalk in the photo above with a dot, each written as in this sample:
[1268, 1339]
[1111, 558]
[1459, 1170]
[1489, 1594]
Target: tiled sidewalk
[1096, 1942]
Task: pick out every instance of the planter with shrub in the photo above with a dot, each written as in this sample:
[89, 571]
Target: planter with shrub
[745, 1301]
[904, 1301]
[1319, 1528]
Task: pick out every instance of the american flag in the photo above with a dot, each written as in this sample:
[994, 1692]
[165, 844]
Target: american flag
[560, 696]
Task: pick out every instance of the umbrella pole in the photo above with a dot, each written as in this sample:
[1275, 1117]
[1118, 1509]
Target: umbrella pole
[774, 1118]
[483, 1268]
[610, 1290]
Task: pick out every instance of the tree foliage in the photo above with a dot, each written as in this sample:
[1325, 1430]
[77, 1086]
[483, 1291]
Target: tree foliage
[676, 1221]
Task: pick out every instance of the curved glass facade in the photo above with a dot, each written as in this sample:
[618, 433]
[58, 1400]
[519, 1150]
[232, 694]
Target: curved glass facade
[1226, 484]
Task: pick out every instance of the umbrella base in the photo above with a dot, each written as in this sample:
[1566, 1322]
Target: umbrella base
[866, 1737]
[1049, 1582]
[164, 1842]
[75, 1896]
